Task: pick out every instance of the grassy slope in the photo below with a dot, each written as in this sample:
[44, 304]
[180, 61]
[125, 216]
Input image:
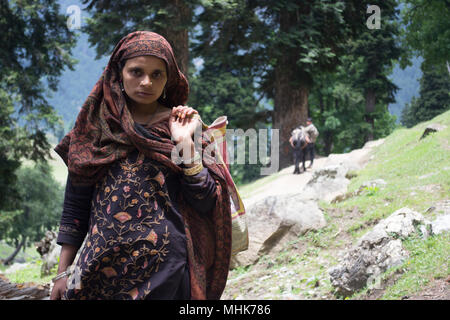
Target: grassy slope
[417, 173]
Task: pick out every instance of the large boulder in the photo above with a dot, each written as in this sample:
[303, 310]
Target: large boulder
[441, 224]
[379, 249]
[326, 183]
[276, 220]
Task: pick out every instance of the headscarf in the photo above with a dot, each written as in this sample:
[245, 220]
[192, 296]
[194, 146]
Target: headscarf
[105, 132]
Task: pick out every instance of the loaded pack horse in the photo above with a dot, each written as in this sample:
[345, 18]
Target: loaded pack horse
[299, 140]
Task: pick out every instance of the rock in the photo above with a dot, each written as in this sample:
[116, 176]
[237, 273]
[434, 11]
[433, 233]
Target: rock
[356, 159]
[379, 249]
[276, 220]
[434, 127]
[441, 224]
[49, 250]
[327, 183]
[401, 224]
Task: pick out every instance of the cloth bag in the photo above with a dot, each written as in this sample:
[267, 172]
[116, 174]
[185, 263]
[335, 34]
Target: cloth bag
[216, 133]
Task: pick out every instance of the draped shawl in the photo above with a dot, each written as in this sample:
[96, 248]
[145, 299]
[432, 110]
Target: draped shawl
[105, 132]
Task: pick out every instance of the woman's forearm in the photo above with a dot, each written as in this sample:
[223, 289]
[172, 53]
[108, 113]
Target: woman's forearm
[66, 257]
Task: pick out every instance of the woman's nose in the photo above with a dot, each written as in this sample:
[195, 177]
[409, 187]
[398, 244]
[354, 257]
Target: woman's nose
[146, 81]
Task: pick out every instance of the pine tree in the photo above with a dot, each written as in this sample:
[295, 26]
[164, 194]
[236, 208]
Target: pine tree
[427, 30]
[112, 20]
[434, 97]
[374, 52]
[36, 46]
[286, 43]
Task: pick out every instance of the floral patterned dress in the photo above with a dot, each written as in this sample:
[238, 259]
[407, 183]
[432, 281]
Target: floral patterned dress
[136, 242]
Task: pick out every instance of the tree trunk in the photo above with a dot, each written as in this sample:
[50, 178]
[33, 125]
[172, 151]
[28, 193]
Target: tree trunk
[10, 259]
[291, 110]
[328, 141]
[291, 91]
[178, 35]
[370, 108]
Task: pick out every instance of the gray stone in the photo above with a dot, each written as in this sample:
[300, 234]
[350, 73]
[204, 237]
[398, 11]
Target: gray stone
[379, 249]
[327, 183]
[441, 224]
[275, 221]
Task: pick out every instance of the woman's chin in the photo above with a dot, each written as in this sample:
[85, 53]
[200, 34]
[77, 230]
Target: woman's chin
[143, 100]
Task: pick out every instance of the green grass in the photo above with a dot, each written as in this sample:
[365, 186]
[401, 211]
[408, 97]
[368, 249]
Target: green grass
[31, 273]
[417, 173]
[30, 253]
[428, 260]
[407, 164]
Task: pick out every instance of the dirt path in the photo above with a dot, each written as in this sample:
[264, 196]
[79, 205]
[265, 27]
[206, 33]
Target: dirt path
[286, 182]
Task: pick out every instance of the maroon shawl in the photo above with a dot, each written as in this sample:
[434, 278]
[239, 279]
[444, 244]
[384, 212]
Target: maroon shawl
[104, 132]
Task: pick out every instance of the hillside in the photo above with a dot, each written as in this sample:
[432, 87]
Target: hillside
[417, 176]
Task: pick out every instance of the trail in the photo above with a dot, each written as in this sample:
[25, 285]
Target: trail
[286, 182]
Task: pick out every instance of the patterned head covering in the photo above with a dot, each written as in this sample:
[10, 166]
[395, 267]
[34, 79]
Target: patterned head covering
[104, 130]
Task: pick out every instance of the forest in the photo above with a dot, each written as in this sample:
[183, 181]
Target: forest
[266, 64]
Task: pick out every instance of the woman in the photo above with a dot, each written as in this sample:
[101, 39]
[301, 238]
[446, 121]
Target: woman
[155, 229]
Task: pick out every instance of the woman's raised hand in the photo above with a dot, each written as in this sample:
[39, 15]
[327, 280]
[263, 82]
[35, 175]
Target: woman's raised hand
[182, 123]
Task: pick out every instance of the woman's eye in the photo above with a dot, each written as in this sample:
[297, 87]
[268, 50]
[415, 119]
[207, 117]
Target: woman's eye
[136, 72]
[157, 75]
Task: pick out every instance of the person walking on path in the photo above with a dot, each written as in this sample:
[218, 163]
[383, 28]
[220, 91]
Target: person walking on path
[312, 134]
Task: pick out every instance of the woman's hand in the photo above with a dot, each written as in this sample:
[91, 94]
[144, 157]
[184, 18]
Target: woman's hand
[182, 124]
[58, 289]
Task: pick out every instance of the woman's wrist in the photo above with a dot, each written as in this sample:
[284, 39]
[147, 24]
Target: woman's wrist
[188, 154]
[67, 255]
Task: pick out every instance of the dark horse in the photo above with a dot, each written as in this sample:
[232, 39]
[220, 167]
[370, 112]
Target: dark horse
[298, 141]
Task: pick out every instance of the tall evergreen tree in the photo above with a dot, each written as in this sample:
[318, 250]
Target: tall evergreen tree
[434, 97]
[427, 30]
[289, 42]
[36, 212]
[36, 46]
[112, 20]
[375, 50]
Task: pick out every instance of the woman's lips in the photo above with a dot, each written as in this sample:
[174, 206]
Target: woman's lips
[144, 94]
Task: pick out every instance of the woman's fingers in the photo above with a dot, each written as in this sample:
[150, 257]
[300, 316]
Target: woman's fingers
[183, 112]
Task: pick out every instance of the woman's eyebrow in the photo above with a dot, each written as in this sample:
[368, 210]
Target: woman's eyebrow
[138, 68]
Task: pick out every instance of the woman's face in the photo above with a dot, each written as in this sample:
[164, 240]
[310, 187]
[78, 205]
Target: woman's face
[144, 78]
